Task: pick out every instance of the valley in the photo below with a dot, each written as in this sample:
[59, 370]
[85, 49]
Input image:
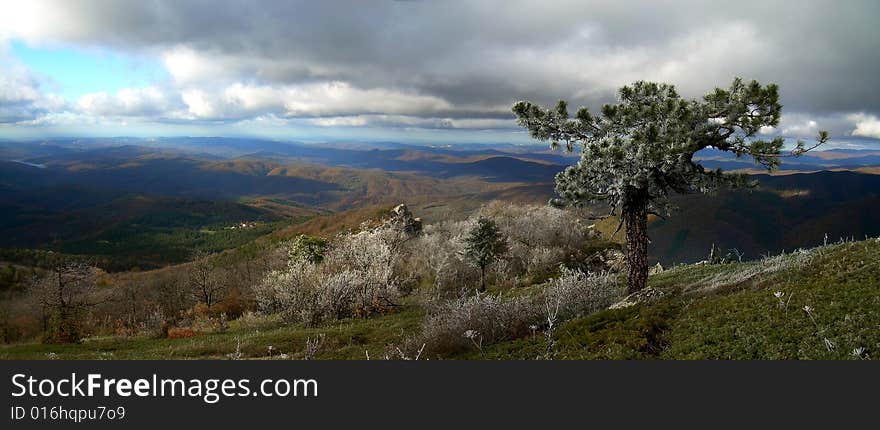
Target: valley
[146, 203]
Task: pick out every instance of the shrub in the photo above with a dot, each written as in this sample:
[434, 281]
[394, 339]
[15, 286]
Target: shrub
[540, 236]
[153, 324]
[482, 319]
[354, 278]
[254, 321]
[180, 333]
[437, 254]
[485, 316]
[576, 293]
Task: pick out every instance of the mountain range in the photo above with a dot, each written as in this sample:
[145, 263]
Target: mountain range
[157, 197]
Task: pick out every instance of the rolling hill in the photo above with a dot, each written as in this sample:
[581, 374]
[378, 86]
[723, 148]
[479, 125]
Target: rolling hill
[141, 207]
[72, 194]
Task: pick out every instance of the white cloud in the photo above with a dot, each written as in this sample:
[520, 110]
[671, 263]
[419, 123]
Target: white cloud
[333, 98]
[240, 100]
[866, 125]
[804, 128]
[341, 121]
[414, 122]
[588, 66]
[21, 96]
[33, 20]
[148, 101]
[767, 130]
[187, 67]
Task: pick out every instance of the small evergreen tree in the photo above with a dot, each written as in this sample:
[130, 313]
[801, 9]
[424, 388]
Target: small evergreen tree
[484, 244]
[307, 248]
[640, 150]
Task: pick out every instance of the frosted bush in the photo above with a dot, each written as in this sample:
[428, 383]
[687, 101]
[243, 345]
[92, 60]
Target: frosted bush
[495, 318]
[354, 278]
[152, 324]
[505, 272]
[288, 290]
[577, 293]
[539, 237]
[538, 225]
[438, 253]
[543, 258]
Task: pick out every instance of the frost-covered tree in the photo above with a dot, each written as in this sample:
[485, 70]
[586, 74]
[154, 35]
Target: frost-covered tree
[483, 245]
[637, 152]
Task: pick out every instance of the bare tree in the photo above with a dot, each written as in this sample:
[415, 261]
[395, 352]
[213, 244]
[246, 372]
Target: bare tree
[203, 280]
[65, 294]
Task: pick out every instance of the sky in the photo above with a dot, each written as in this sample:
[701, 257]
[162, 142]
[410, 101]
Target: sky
[419, 71]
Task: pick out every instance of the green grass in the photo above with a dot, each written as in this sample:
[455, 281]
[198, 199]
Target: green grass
[842, 287]
[345, 339]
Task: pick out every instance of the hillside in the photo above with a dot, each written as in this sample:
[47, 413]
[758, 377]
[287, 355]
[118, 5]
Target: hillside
[828, 308]
[120, 230]
[138, 207]
[724, 311]
[783, 213]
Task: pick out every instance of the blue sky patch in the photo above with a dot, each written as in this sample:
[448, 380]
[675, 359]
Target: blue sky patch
[73, 72]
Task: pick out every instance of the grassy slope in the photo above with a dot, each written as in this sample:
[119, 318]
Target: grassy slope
[738, 320]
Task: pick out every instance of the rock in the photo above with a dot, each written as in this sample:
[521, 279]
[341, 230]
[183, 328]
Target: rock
[614, 260]
[592, 232]
[657, 268]
[715, 255]
[402, 219]
[401, 210]
[646, 295]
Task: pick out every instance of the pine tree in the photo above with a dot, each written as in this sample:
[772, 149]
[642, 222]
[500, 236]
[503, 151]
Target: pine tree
[483, 245]
[639, 151]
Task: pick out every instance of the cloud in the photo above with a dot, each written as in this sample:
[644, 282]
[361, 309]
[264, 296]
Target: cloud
[307, 100]
[799, 125]
[808, 128]
[866, 125]
[461, 64]
[408, 121]
[187, 66]
[141, 102]
[21, 97]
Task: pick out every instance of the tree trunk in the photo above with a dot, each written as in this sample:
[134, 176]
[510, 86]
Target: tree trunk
[482, 278]
[635, 218]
